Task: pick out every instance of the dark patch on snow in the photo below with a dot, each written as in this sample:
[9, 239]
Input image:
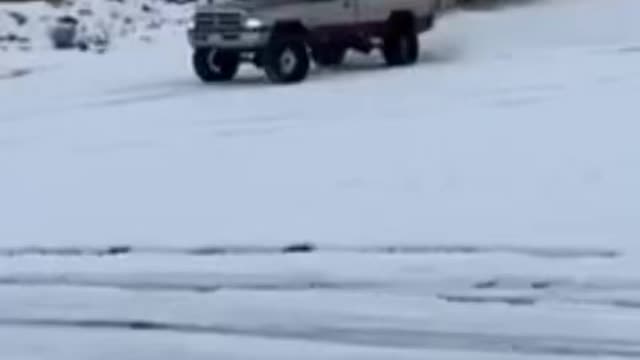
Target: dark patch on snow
[67, 251]
[479, 299]
[629, 304]
[15, 73]
[489, 284]
[630, 49]
[620, 304]
[228, 250]
[92, 324]
[544, 252]
[221, 250]
[299, 248]
[18, 17]
[208, 251]
[14, 38]
[118, 250]
[496, 283]
[540, 285]
[568, 284]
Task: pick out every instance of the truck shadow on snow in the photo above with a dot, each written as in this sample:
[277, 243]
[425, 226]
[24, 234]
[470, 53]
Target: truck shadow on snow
[490, 5]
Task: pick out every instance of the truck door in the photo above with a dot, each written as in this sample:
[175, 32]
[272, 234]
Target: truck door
[331, 13]
[370, 11]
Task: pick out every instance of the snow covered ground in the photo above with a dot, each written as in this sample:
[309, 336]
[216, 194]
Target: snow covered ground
[483, 204]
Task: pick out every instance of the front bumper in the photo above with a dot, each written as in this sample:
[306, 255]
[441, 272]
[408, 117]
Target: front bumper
[245, 39]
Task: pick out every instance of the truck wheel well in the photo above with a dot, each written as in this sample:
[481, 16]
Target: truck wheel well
[402, 20]
[290, 28]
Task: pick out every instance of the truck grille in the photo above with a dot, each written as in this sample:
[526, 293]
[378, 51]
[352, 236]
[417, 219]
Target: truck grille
[218, 22]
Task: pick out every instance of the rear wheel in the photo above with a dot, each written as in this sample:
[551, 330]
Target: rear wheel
[215, 65]
[401, 46]
[286, 60]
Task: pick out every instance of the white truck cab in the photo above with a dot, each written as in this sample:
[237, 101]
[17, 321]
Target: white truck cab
[283, 36]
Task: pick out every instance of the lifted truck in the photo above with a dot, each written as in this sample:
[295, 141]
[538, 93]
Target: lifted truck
[283, 36]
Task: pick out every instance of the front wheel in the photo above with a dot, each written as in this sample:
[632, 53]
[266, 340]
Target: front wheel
[401, 48]
[286, 60]
[215, 65]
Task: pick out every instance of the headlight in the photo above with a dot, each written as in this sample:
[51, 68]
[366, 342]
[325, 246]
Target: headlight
[253, 23]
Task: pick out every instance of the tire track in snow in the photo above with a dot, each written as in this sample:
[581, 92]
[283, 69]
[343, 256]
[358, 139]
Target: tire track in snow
[370, 336]
[511, 282]
[181, 286]
[542, 252]
[530, 291]
[480, 297]
[529, 300]
[515, 300]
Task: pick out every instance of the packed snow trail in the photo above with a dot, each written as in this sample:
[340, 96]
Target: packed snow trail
[483, 203]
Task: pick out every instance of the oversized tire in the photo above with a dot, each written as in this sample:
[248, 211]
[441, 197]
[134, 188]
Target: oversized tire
[215, 65]
[286, 59]
[328, 55]
[401, 45]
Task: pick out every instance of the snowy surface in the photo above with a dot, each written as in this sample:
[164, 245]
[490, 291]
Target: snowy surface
[483, 204]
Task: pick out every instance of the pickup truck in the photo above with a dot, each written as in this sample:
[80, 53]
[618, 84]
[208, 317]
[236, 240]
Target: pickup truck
[284, 37]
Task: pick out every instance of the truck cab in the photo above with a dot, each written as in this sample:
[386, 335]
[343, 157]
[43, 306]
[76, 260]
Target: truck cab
[285, 36]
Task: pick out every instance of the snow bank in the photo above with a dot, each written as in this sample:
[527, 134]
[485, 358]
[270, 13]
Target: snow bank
[28, 26]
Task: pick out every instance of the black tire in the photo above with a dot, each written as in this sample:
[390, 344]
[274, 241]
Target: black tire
[286, 60]
[401, 46]
[328, 55]
[215, 65]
